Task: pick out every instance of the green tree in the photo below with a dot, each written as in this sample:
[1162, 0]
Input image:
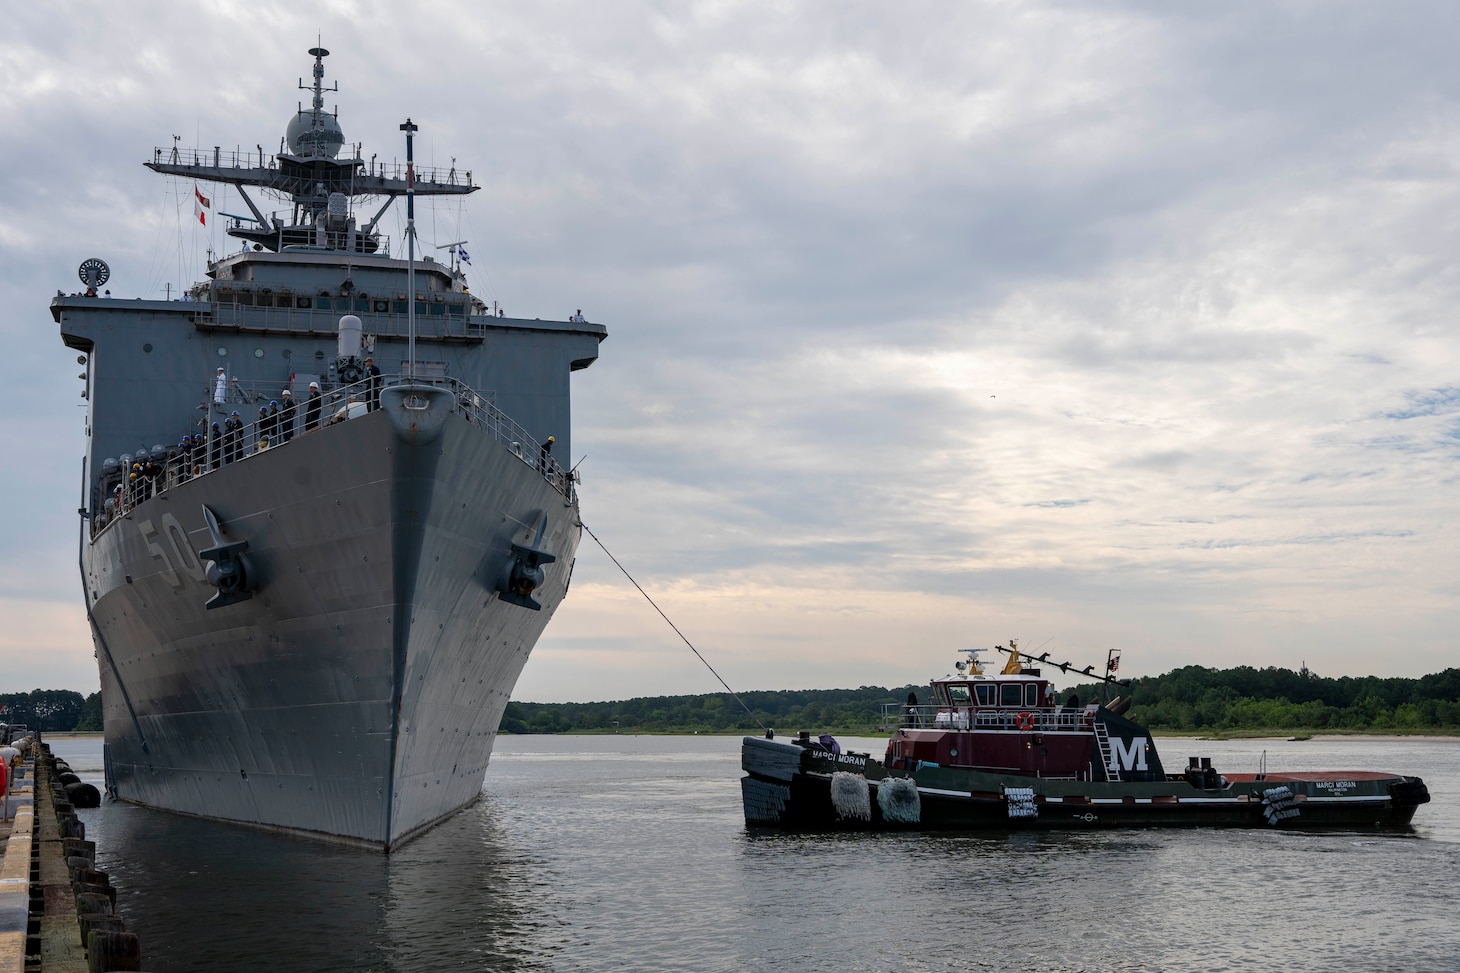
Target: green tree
[91, 716]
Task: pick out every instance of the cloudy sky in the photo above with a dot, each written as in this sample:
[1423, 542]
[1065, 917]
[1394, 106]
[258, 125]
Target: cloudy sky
[931, 325]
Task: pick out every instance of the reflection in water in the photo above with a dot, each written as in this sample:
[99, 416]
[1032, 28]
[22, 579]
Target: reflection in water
[204, 895]
[609, 853]
[459, 899]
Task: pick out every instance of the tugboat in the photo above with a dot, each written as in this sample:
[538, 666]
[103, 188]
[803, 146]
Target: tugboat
[999, 751]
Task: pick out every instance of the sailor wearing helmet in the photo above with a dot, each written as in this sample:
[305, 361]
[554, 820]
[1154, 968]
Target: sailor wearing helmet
[312, 407]
[286, 417]
[265, 429]
[232, 438]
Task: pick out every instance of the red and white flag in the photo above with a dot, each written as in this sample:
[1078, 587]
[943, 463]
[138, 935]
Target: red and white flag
[201, 204]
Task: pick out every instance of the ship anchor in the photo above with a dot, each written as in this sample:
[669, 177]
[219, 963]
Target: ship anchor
[524, 574]
[229, 569]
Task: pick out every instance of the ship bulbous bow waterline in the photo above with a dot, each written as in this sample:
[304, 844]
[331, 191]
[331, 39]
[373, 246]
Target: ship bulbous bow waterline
[352, 684]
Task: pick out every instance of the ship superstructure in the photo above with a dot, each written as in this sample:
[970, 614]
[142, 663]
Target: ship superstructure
[324, 520]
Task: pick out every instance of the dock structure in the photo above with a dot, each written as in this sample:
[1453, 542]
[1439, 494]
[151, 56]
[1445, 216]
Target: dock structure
[57, 911]
[15, 871]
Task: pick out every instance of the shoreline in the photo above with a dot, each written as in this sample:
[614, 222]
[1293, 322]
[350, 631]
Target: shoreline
[1286, 736]
[1428, 735]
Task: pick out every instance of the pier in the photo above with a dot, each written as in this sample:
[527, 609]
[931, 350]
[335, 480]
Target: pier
[57, 911]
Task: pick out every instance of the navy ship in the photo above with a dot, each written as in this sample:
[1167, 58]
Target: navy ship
[323, 518]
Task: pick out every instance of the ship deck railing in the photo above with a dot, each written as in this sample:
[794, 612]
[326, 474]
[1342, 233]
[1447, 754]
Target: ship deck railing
[339, 404]
[216, 157]
[945, 717]
[458, 320]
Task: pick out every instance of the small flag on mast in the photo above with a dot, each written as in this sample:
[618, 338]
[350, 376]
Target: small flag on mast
[201, 203]
[462, 255]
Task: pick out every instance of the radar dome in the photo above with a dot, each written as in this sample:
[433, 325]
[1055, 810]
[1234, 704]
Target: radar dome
[305, 138]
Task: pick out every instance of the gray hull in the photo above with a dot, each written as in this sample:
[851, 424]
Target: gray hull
[357, 694]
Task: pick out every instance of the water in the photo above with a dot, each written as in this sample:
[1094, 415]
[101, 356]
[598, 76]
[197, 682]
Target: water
[630, 853]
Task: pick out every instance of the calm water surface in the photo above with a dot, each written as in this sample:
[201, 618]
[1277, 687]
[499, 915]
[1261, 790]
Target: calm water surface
[630, 853]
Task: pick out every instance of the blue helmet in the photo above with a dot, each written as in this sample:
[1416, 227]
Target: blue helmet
[274, 403]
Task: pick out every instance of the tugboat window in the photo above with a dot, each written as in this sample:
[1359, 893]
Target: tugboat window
[959, 695]
[1031, 695]
[985, 694]
[1011, 694]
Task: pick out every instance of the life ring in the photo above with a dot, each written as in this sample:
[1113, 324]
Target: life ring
[1024, 722]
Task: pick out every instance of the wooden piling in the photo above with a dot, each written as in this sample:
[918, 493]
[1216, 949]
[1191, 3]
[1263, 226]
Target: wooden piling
[72, 906]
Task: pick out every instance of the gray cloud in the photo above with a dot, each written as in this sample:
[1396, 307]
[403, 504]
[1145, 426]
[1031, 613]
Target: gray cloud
[1097, 321]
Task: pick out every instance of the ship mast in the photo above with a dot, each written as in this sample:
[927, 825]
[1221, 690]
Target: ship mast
[309, 172]
[410, 129]
[316, 117]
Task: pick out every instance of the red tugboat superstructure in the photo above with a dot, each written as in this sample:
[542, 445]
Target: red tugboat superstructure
[999, 750]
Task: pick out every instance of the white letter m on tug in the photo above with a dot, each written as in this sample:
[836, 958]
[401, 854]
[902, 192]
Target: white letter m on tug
[1132, 758]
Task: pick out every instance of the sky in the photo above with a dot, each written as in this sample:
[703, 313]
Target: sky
[1090, 325]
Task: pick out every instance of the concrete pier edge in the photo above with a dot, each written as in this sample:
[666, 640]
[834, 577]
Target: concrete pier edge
[71, 922]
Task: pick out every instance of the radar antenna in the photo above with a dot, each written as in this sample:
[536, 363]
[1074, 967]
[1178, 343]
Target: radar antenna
[972, 666]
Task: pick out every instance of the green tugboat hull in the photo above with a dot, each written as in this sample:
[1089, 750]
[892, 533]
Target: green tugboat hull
[788, 786]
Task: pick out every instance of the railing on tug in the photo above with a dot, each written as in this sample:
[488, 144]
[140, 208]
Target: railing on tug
[338, 405]
[942, 717]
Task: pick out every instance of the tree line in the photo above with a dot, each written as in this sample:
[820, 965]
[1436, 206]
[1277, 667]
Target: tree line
[1245, 698]
[786, 711]
[1192, 698]
[54, 710]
